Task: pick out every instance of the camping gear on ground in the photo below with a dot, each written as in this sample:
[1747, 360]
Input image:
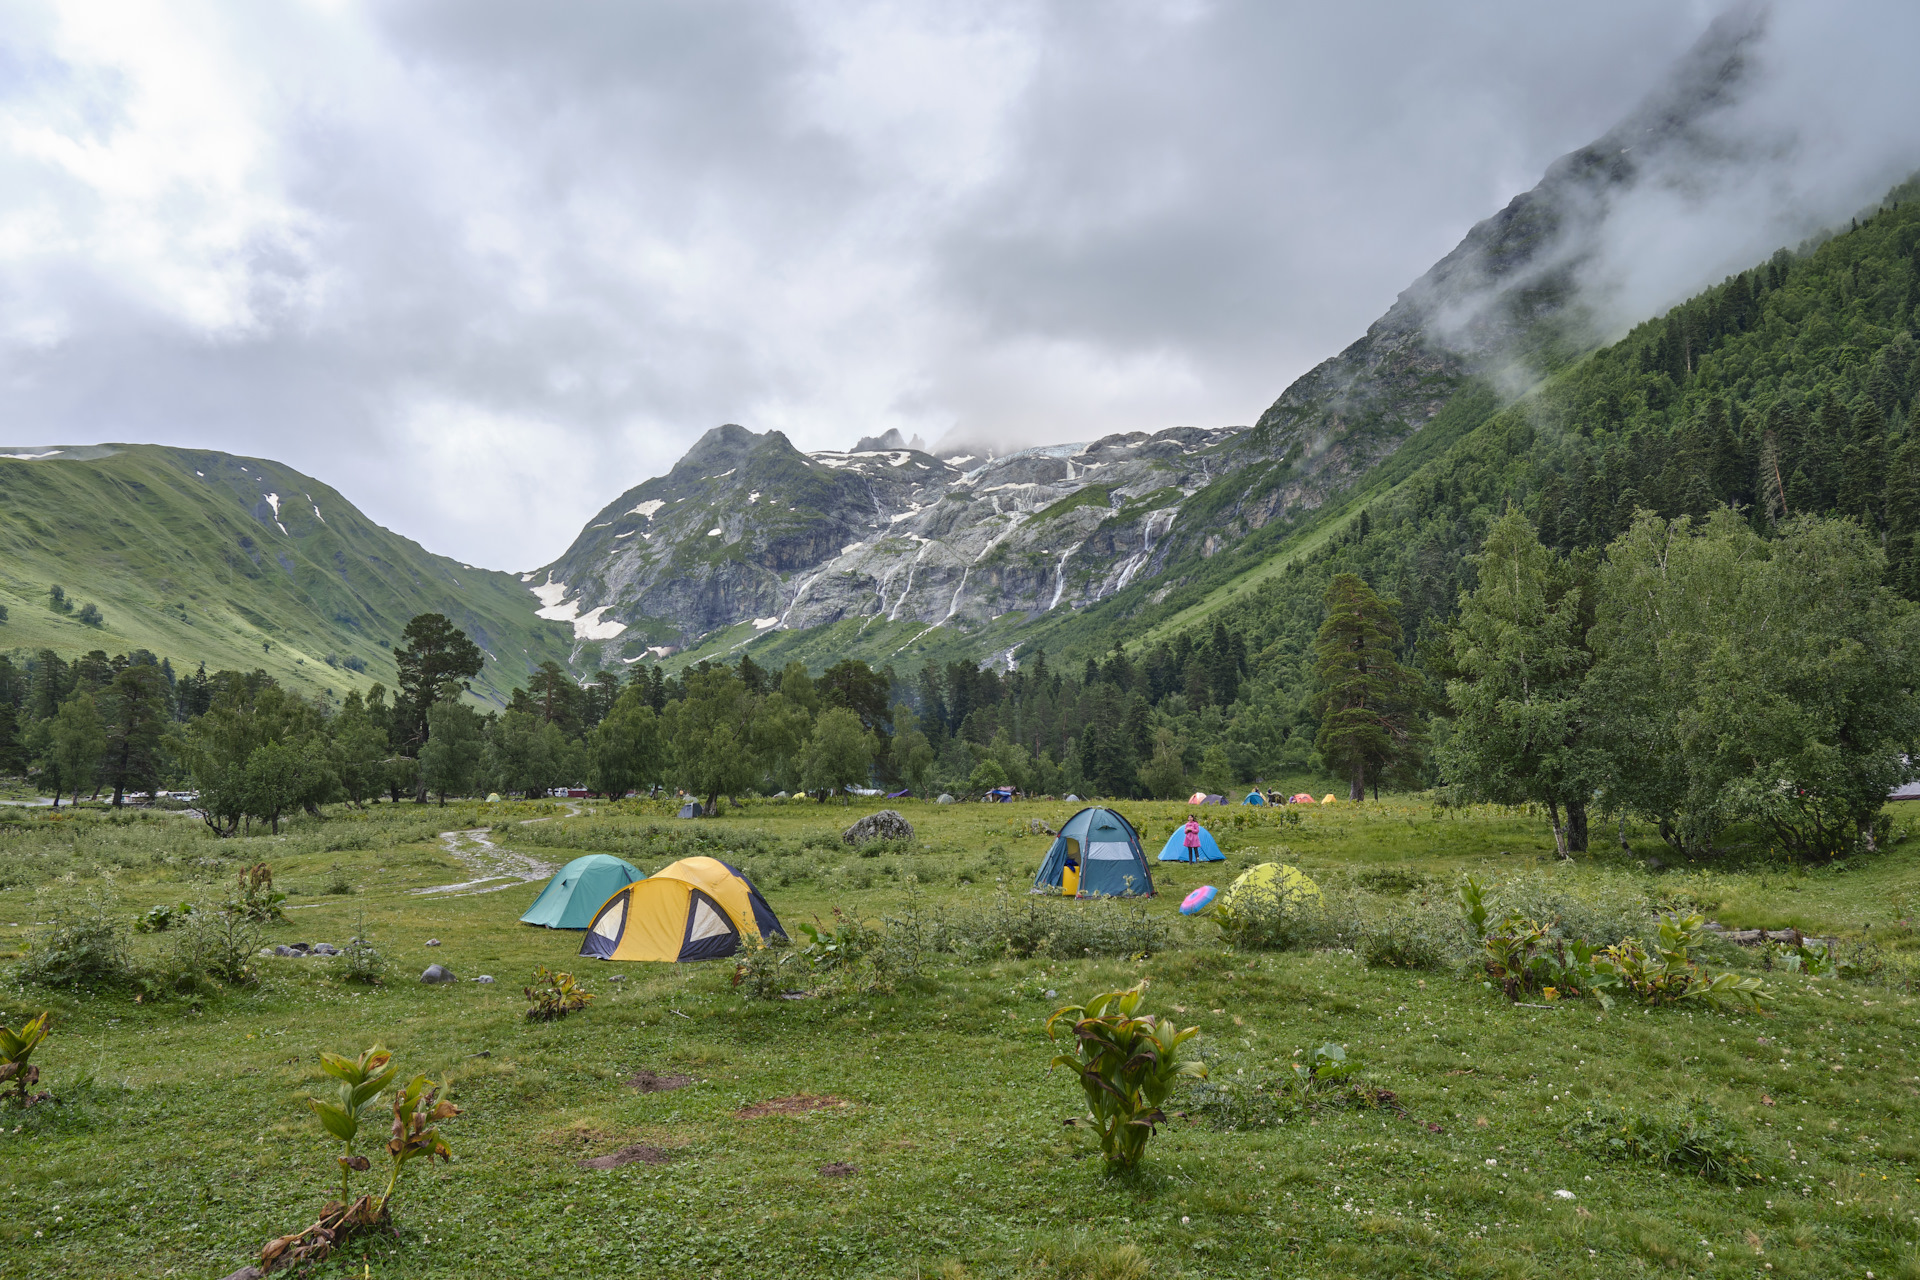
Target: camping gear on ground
[1327, 799]
[1254, 797]
[691, 809]
[1302, 798]
[1271, 884]
[576, 892]
[693, 909]
[1070, 881]
[1104, 849]
[1199, 900]
[999, 795]
[1175, 849]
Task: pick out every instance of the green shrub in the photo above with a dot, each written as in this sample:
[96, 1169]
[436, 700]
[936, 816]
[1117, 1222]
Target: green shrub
[1043, 925]
[1411, 936]
[360, 960]
[760, 967]
[337, 882]
[1692, 1136]
[217, 943]
[83, 946]
[554, 995]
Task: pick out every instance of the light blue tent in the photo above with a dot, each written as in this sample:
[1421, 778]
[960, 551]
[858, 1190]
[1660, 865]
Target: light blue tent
[1176, 847]
[571, 897]
[1254, 797]
[1096, 855]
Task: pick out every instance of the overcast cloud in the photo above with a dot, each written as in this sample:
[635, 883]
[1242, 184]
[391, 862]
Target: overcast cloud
[481, 266]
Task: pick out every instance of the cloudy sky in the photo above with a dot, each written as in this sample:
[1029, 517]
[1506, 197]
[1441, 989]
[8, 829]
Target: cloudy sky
[482, 265]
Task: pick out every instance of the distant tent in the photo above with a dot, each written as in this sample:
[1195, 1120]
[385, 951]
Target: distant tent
[896, 795]
[1198, 797]
[1214, 800]
[693, 909]
[1254, 797]
[1302, 798]
[1096, 855]
[572, 896]
[1073, 799]
[1175, 850]
[1327, 799]
[691, 809]
[1000, 795]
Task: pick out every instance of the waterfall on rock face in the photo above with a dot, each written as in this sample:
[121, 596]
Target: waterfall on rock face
[1060, 578]
[1147, 534]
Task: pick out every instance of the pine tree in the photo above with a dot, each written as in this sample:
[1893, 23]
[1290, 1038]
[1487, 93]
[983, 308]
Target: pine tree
[1367, 722]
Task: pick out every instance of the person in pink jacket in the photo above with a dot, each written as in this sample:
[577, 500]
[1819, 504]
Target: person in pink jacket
[1193, 838]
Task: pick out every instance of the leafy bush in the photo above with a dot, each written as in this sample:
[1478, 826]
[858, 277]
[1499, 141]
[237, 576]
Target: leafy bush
[258, 899]
[360, 960]
[156, 919]
[1127, 1064]
[83, 948]
[337, 882]
[839, 945]
[1286, 919]
[1039, 925]
[759, 966]
[554, 995]
[217, 943]
[1692, 1136]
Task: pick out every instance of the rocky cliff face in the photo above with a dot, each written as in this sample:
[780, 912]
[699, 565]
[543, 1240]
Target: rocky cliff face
[748, 528]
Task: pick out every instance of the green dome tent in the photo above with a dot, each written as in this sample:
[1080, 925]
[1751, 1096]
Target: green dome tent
[1096, 855]
[571, 897]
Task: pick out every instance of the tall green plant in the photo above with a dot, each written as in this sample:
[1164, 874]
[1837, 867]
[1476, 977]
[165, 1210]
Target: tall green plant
[361, 1081]
[1128, 1063]
[16, 1046]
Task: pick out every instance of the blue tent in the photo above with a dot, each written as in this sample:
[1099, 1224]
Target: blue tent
[571, 897]
[1096, 855]
[1175, 849]
[1254, 797]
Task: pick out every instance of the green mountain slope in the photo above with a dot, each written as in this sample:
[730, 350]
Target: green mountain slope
[237, 562]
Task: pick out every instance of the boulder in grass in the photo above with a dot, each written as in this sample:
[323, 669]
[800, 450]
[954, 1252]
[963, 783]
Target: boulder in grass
[436, 973]
[884, 825]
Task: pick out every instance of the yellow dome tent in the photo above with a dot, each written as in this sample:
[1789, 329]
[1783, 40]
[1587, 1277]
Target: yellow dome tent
[693, 909]
[1271, 884]
[1329, 799]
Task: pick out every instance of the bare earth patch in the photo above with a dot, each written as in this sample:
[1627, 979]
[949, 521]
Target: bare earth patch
[638, 1153]
[838, 1169]
[792, 1105]
[647, 1080]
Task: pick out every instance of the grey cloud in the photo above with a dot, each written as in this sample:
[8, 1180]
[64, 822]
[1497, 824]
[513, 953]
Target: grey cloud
[483, 265]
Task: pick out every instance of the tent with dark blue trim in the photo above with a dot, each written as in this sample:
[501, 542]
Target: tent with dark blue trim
[693, 909]
[1096, 855]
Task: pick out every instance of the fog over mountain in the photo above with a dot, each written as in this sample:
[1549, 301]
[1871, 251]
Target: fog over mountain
[484, 266]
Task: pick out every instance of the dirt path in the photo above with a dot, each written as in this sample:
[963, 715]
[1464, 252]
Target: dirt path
[490, 863]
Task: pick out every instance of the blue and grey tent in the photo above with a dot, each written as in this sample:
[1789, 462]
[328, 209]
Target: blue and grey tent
[572, 896]
[1254, 797]
[1175, 849]
[1096, 855]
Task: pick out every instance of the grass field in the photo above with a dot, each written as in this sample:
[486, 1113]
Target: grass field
[182, 1143]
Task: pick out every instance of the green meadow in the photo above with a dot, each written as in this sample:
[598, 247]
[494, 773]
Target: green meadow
[898, 1117]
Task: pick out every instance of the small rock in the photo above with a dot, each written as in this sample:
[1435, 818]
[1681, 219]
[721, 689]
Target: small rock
[1563, 1194]
[284, 950]
[245, 1273]
[884, 825]
[485, 977]
[325, 949]
[1654, 864]
[269, 951]
[301, 947]
[616, 977]
[433, 942]
[435, 973]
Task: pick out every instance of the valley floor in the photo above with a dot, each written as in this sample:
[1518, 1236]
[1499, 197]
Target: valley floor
[182, 1142]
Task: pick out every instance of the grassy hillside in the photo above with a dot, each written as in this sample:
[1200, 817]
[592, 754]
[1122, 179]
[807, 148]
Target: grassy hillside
[236, 562]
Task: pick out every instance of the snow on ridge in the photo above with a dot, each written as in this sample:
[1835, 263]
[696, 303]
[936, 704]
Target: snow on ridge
[588, 626]
[764, 623]
[714, 532]
[551, 593]
[647, 508]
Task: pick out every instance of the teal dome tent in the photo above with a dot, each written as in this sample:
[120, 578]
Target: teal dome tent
[1096, 855]
[572, 896]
